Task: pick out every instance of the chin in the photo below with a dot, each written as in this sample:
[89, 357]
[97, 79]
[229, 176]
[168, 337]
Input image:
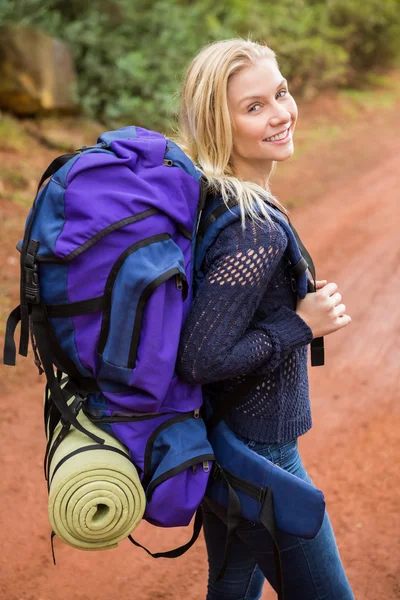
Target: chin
[280, 157]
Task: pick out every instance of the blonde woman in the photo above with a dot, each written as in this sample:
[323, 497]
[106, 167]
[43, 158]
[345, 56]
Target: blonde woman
[237, 119]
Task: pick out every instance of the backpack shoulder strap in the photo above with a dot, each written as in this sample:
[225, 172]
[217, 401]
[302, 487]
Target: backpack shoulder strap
[217, 216]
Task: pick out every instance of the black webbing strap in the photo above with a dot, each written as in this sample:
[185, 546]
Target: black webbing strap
[74, 309]
[47, 405]
[41, 328]
[201, 203]
[29, 286]
[51, 448]
[267, 518]
[233, 520]
[317, 344]
[299, 268]
[317, 352]
[198, 523]
[53, 418]
[52, 536]
[303, 250]
[209, 220]
[10, 350]
[89, 448]
[53, 167]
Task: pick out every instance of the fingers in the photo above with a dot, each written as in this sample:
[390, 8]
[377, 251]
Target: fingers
[320, 283]
[336, 299]
[323, 311]
[343, 321]
[339, 310]
[329, 289]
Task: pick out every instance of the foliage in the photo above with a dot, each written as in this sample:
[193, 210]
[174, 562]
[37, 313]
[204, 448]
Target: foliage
[370, 32]
[131, 54]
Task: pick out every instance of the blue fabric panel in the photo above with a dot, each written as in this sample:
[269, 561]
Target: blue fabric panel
[114, 386]
[38, 202]
[125, 133]
[299, 507]
[96, 150]
[97, 407]
[50, 218]
[223, 221]
[181, 442]
[114, 378]
[180, 160]
[226, 219]
[138, 271]
[53, 283]
[53, 289]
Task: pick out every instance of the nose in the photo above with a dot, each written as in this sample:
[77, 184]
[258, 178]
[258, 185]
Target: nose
[281, 116]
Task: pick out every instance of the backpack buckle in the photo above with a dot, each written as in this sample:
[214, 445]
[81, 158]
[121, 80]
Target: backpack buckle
[32, 289]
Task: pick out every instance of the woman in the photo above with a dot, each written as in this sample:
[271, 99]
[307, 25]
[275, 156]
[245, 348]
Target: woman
[237, 119]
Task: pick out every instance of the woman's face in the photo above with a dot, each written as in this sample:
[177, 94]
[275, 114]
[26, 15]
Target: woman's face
[261, 108]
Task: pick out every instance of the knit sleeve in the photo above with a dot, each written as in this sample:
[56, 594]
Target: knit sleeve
[218, 339]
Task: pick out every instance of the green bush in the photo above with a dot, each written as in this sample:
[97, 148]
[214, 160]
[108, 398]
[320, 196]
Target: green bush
[368, 31]
[130, 54]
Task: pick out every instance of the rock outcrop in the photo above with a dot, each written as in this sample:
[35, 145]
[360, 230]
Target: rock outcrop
[37, 74]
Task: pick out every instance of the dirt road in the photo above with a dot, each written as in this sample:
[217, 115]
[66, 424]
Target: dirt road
[351, 453]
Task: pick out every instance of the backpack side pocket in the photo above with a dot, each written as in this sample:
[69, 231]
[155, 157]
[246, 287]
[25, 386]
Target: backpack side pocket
[178, 461]
[142, 319]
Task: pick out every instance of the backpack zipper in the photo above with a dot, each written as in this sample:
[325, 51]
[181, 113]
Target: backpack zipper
[206, 467]
[179, 284]
[171, 473]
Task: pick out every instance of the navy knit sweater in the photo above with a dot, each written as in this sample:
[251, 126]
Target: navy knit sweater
[243, 322]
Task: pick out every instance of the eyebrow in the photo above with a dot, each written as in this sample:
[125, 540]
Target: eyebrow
[257, 97]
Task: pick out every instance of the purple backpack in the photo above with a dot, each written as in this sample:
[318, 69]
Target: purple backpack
[107, 277]
[106, 284]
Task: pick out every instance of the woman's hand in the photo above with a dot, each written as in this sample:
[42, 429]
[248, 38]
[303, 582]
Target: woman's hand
[323, 310]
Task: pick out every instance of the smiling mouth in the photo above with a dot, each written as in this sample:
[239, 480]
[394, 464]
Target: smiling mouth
[283, 135]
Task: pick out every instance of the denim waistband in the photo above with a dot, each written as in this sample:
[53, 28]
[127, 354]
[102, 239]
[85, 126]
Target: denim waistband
[274, 452]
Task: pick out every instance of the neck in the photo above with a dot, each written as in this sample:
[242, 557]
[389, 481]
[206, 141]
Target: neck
[258, 173]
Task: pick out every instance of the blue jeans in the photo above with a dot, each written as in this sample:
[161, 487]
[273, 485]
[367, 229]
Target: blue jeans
[312, 569]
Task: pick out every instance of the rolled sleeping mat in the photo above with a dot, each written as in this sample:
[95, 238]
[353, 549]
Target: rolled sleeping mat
[95, 495]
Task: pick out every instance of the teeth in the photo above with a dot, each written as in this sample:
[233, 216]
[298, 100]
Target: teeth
[275, 138]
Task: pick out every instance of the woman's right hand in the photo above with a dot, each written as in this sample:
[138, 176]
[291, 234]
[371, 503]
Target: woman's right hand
[323, 310]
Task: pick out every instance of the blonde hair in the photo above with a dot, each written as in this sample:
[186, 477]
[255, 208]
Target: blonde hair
[205, 127]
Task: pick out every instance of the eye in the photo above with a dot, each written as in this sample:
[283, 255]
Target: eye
[253, 107]
[281, 92]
